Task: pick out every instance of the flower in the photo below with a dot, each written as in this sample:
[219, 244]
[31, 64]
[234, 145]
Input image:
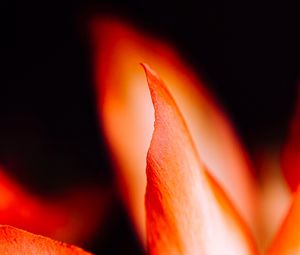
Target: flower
[187, 212]
[201, 196]
[126, 116]
[188, 183]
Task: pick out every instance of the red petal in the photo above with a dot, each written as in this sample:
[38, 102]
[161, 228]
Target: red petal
[73, 217]
[290, 156]
[127, 116]
[14, 241]
[187, 212]
[287, 241]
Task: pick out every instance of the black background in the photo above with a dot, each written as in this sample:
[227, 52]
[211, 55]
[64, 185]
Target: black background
[49, 135]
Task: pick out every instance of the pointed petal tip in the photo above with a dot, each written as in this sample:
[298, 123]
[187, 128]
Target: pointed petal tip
[151, 76]
[183, 206]
[119, 48]
[159, 92]
[148, 69]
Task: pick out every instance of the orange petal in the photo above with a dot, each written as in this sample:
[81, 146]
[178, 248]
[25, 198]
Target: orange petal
[287, 241]
[74, 217]
[275, 196]
[290, 156]
[127, 116]
[15, 241]
[187, 212]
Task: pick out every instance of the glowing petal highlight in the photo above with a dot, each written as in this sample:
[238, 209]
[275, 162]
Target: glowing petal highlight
[73, 217]
[187, 212]
[126, 116]
[287, 241]
[15, 241]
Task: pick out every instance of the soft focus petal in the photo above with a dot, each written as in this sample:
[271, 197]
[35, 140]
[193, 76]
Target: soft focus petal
[73, 217]
[187, 212]
[127, 116]
[14, 241]
[275, 196]
[287, 241]
[290, 156]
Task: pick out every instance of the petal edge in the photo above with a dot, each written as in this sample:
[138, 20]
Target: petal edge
[187, 212]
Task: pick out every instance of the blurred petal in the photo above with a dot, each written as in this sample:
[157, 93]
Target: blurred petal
[126, 116]
[290, 156]
[73, 217]
[187, 212]
[287, 241]
[15, 241]
[275, 196]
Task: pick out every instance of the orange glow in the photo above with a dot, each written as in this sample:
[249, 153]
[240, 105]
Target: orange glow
[187, 212]
[275, 196]
[73, 217]
[287, 241]
[127, 116]
[290, 156]
[14, 241]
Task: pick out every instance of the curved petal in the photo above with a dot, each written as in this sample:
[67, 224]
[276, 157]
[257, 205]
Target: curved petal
[74, 217]
[290, 155]
[287, 240]
[126, 116]
[187, 212]
[19, 242]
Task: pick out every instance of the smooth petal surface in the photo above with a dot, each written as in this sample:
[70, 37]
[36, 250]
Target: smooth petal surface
[290, 155]
[187, 212]
[126, 115]
[14, 241]
[73, 217]
[275, 196]
[287, 241]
